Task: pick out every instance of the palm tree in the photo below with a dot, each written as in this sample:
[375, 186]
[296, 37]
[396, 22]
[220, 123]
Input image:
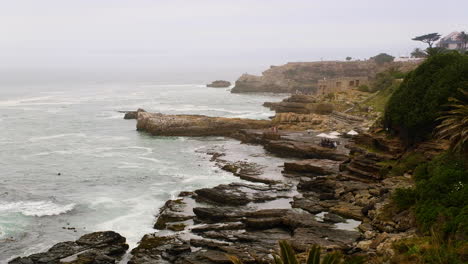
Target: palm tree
[454, 125]
[463, 37]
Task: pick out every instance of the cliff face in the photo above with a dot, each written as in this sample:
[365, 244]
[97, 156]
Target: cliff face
[304, 76]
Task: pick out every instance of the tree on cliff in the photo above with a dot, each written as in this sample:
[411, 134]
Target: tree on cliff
[418, 53]
[382, 58]
[414, 107]
[429, 39]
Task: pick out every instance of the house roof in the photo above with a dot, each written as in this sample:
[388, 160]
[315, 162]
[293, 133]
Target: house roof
[451, 38]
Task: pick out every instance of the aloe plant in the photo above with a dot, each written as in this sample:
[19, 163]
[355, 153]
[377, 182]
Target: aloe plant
[287, 255]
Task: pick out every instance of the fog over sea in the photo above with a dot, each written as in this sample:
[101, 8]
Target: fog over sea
[111, 176]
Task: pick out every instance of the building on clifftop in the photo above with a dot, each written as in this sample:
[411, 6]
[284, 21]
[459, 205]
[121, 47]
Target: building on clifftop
[452, 41]
[340, 84]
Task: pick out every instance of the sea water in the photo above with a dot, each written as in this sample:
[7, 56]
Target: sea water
[70, 164]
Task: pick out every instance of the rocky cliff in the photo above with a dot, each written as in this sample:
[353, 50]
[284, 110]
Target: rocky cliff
[303, 76]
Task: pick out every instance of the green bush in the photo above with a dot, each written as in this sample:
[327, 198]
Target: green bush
[414, 107]
[440, 196]
[386, 79]
[363, 88]
[407, 163]
[404, 198]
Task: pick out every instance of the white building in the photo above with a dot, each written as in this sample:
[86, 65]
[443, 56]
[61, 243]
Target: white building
[451, 41]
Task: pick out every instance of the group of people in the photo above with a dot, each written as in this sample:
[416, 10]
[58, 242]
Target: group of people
[328, 143]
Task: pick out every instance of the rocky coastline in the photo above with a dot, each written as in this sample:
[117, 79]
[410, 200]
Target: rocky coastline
[336, 198]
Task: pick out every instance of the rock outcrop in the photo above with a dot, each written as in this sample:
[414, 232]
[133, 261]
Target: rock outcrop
[195, 125]
[304, 76]
[99, 247]
[133, 114]
[219, 84]
[300, 76]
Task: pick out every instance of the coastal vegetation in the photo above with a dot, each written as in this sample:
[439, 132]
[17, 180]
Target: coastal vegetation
[431, 104]
[414, 108]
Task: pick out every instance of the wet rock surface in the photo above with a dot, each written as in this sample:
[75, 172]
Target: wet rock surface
[99, 247]
[194, 125]
[335, 198]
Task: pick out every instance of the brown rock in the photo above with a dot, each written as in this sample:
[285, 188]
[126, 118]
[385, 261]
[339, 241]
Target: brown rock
[195, 125]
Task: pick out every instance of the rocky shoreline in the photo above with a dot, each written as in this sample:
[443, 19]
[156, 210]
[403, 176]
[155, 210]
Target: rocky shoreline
[335, 198]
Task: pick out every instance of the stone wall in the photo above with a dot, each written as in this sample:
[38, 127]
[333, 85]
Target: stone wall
[336, 85]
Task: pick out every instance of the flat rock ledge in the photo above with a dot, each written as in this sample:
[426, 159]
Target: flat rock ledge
[100, 247]
[195, 125]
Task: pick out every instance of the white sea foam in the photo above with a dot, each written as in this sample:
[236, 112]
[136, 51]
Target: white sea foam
[152, 160]
[36, 208]
[35, 139]
[22, 101]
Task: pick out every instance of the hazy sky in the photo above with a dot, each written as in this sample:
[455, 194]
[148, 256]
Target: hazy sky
[210, 35]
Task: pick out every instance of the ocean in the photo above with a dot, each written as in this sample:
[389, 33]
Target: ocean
[70, 164]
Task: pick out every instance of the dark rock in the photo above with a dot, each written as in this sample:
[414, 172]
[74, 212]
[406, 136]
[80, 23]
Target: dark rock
[213, 214]
[313, 167]
[133, 114]
[237, 194]
[308, 204]
[287, 148]
[172, 211]
[333, 218]
[99, 247]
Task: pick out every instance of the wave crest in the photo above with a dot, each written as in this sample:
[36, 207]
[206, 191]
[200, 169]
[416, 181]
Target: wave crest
[36, 208]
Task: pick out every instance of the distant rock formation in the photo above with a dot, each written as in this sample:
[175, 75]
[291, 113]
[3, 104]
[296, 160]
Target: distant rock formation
[305, 76]
[219, 84]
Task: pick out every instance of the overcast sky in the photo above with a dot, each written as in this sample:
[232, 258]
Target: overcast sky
[210, 35]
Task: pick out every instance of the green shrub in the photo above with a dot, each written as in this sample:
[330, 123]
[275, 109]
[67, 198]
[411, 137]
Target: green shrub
[407, 163]
[440, 196]
[363, 88]
[414, 107]
[404, 198]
